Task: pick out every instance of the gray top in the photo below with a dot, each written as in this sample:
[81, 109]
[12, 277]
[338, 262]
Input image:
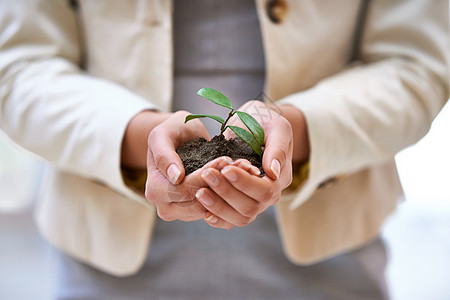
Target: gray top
[218, 45]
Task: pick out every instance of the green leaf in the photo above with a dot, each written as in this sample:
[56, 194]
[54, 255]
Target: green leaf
[252, 125]
[248, 138]
[216, 97]
[196, 116]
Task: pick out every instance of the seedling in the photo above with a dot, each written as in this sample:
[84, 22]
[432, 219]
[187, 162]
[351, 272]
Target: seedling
[255, 138]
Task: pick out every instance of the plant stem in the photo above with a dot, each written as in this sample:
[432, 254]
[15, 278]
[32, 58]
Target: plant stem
[223, 127]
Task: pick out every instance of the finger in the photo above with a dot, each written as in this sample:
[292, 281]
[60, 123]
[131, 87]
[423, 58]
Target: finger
[184, 211]
[216, 205]
[247, 166]
[174, 202]
[227, 194]
[156, 183]
[216, 222]
[167, 137]
[278, 147]
[260, 189]
[161, 147]
[178, 202]
[285, 178]
[160, 191]
[186, 190]
[219, 163]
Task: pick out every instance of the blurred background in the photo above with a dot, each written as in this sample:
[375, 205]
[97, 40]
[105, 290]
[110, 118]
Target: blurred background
[417, 234]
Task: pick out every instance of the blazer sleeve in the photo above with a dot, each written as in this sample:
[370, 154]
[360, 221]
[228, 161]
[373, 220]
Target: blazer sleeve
[365, 114]
[48, 105]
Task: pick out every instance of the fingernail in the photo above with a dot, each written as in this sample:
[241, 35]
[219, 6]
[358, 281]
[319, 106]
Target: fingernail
[203, 198]
[252, 169]
[212, 219]
[225, 161]
[246, 164]
[229, 174]
[255, 171]
[174, 173]
[275, 167]
[210, 178]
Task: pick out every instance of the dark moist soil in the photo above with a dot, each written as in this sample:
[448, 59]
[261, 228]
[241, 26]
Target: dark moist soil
[196, 153]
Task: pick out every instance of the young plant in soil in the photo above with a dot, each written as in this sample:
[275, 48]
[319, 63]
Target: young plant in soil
[248, 144]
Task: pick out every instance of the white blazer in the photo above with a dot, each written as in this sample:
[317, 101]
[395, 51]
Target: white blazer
[71, 80]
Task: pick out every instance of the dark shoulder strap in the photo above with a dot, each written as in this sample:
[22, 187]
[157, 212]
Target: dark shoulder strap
[73, 4]
[359, 29]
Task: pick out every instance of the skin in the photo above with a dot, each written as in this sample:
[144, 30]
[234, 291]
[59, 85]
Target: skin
[238, 196]
[134, 142]
[223, 193]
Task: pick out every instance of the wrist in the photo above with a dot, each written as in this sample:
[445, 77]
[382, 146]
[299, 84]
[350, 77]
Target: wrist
[134, 142]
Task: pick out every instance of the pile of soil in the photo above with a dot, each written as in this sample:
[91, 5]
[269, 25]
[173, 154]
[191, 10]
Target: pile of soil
[196, 153]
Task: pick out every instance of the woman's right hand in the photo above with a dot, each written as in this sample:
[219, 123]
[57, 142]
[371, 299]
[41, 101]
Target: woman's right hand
[167, 187]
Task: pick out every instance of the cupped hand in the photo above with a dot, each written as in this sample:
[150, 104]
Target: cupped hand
[168, 136]
[167, 188]
[278, 140]
[234, 194]
[165, 169]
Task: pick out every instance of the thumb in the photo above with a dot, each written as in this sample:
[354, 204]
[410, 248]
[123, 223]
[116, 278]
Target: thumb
[161, 153]
[278, 147]
[164, 139]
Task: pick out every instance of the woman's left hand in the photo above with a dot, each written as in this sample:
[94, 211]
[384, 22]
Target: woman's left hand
[235, 194]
